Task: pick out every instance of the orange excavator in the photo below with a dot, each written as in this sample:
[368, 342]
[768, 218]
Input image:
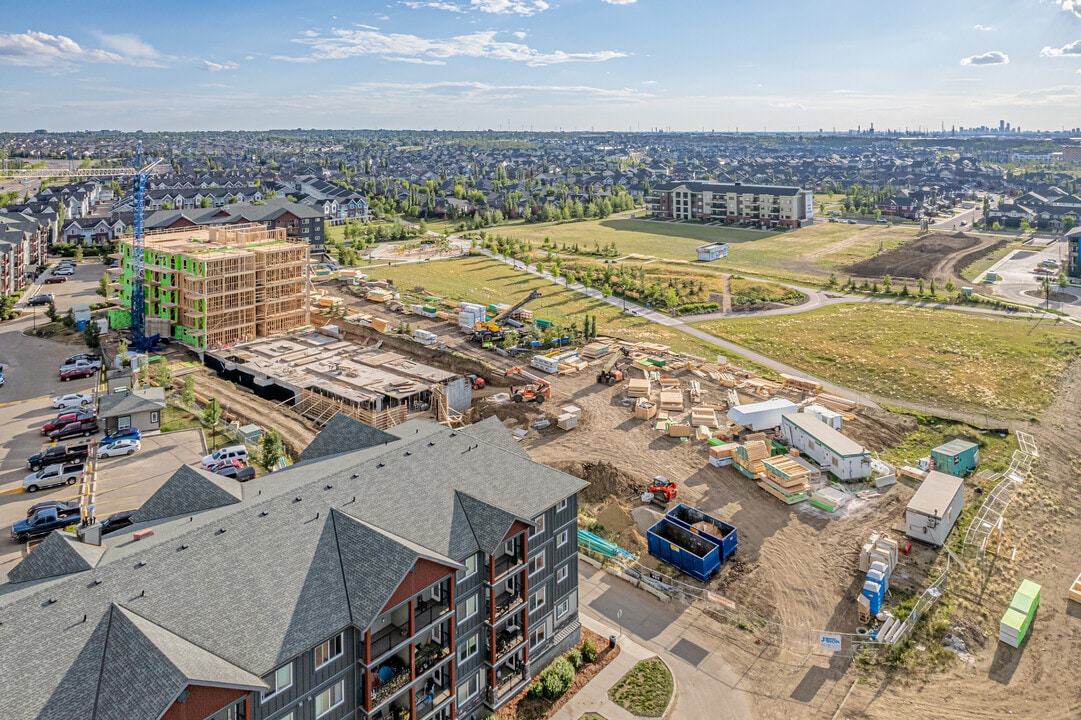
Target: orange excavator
[538, 390]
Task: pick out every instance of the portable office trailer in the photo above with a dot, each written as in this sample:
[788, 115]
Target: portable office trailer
[934, 508]
[957, 457]
[842, 456]
[762, 415]
[721, 534]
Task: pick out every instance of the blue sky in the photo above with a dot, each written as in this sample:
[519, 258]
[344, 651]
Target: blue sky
[541, 64]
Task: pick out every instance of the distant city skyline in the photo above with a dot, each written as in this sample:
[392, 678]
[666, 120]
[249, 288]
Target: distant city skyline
[616, 65]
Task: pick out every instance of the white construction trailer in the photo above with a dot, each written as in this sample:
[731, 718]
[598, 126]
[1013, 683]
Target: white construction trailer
[762, 415]
[935, 507]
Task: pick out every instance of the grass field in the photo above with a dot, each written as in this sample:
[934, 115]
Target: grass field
[804, 256]
[974, 270]
[480, 279]
[945, 359]
[645, 690]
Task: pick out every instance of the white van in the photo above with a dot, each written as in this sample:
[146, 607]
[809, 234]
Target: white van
[233, 452]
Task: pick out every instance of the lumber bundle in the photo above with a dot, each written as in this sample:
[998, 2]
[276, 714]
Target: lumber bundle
[785, 479]
[572, 366]
[788, 499]
[595, 350]
[671, 400]
[702, 432]
[748, 457]
[837, 404]
[644, 409]
[1075, 590]
[752, 437]
[791, 382]
[670, 383]
[721, 455]
[638, 387]
[760, 386]
[696, 392]
[703, 416]
[678, 430]
[733, 398]
[829, 499]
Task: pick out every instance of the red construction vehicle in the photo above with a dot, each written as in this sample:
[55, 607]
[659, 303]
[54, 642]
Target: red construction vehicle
[536, 391]
[610, 374]
[662, 490]
[476, 381]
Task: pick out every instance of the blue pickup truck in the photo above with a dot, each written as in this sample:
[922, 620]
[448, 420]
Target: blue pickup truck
[44, 522]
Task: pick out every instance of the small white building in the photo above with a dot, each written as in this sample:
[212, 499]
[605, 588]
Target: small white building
[831, 418]
[842, 456]
[762, 415]
[934, 508]
[713, 251]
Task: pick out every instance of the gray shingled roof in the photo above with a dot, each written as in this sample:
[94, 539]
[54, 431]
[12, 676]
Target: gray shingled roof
[189, 490]
[489, 524]
[127, 403]
[343, 434]
[58, 554]
[257, 582]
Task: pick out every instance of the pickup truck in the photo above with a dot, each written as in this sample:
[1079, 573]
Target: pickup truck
[83, 426]
[66, 418]
[82, 361]
[41, 524]
[62, 454]
[54, 475]
[77, 372]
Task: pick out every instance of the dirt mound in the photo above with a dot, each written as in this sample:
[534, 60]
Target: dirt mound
[522, 413]
[970, 257]
[879, 429]
[605, 480]
[915, 259]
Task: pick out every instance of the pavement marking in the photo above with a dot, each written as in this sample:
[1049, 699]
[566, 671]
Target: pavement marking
[20, 402]
[12, 491]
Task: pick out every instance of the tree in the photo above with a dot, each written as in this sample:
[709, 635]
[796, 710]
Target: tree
[205, 202]
[1045, 286]
[77, 256]
[920, 285]
[950, 287]
[934, 288]
[1025, 225]
[1068, 222]
[211, 416]
[103, 286]
[91, 336]
[995, 225]
[163, 376]
[887, 284]
[50, 312]
[187, 395]
[606, 290]
[271, 449]
[69, 319]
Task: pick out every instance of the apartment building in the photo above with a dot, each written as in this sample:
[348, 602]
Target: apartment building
[220, 285]
[422, 573]
[760, 206]
[24, 242]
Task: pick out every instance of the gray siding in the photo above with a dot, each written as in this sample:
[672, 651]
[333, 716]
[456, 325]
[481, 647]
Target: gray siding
[309, 682]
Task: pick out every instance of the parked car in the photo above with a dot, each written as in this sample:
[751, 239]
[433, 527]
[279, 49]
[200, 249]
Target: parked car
[64, 270]
[118, 447]
[54, 279]
[126, 434]
[116, 522]
[82, 362]
[1, 379]
[42, 299]
[64, 418]
[240, 474]
[225, 465]
[58, 454]
[77, 372]
[63, 507]
[54, 475]
[40, 525]
[233, 452]
[71, 400]
[89, 357]
[85, 427]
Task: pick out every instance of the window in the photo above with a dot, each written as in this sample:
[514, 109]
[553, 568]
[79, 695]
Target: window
[330, 698]
[154, 417]
[536, 602]
[561, 539]
[470, 568]
[539, 522]
[562, 573]
[562, 505]
[468, 689]
[537, 563]
[330, 650]
[539, 636]
[562, 609]
[467, 608]
[282, 679]
[468, 649]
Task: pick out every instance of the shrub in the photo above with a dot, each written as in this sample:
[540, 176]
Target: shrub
[589, 651]
[574, 657]
[693, 308]
[536, 691]
[557, 677]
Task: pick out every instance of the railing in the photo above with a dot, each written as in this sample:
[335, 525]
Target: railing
[428, 612]
[506, 563]
[506, 603]
[506, 642]
[390, 687]
[387, 638]
[430, 655]
[506, 683]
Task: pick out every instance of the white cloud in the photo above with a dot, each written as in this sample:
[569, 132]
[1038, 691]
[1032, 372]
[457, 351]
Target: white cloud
[249, 57]
[413, 60]
[341, 44]
[508, 7]
[38, 49]
[520, 35]
[620, 2]
[219, 67]
[474, 89]
[649, 82]
[1073, 48]
[983, 28]
[434, 5]
[993, 57]
[1072, 6]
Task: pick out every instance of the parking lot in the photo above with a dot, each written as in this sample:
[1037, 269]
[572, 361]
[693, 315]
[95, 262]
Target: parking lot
[30, 367]
[1018, 282]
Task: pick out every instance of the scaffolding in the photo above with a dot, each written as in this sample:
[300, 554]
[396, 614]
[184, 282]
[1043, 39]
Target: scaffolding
[223, 285]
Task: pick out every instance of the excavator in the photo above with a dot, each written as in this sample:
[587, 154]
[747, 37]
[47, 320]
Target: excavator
[610, 374]
[487, 331]
[536, 391]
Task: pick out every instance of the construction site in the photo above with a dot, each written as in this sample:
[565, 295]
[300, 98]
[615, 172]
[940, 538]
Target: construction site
[213, 287]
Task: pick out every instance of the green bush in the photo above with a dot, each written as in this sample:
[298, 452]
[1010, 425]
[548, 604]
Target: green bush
[557, 677]
[693, 308]
[589, 651]
[536, 691]
[574, 657]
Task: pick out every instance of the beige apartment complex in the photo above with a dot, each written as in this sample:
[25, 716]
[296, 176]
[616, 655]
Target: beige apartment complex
[761, 206]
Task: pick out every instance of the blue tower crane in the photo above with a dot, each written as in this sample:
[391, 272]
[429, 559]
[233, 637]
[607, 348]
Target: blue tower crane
[139, 341]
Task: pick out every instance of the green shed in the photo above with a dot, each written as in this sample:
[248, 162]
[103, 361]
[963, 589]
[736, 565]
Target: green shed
[957, 457]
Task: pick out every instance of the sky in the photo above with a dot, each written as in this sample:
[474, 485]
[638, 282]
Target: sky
[687, 65]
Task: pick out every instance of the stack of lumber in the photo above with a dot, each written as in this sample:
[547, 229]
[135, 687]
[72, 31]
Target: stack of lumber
[733, 398]
[703, 416]
[595, 350]
[679, 430]
[696, 392]
[828, 498]
[785, 479]
[380, 324]
[670, 383]
[379, 295]
[638, 387]
[748, 457]
[752, 437]
[644, 409]
[791, 382]
[721, 455]
[1016, 622]
[572, 366]
[837, 404]
[702, 432]
[671, 400]
[880, 548]
[760, 386]
[567, 421]
[1075, 590]
[522, 314]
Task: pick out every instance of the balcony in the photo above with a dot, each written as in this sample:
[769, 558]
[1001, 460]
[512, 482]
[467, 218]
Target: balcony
[433, 696]
[429, 611]
[509, 683]
[387, 639]
[389, 678]
[429, 655]
[506, 603]
[507, 564]
[508, 640]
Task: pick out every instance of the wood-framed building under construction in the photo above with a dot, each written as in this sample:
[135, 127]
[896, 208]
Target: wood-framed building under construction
[217, 286]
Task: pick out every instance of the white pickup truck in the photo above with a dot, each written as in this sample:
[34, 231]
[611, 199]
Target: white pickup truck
[54, 475]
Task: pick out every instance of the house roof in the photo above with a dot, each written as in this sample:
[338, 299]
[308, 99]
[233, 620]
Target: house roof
[58, 554]
[935, 493]
[714, 187]
[321, 545]
[825, 435]
[129, 403]
[955, 447]
[342, 434]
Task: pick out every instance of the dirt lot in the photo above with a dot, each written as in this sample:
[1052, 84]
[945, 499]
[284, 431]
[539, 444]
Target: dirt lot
[929, 256]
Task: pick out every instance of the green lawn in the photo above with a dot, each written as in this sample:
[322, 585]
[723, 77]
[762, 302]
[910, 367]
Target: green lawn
[645, 690]
[995, 450]
[942, 358]
[974, 270]
[174, 418]
[807, 255]
[483, 280]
